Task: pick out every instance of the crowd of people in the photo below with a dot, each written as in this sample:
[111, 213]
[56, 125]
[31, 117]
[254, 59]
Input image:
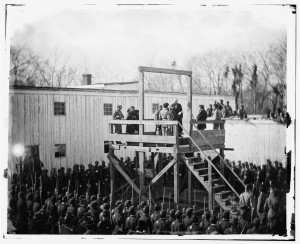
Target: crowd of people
[78, 202]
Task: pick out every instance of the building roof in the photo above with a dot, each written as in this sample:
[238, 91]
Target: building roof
[113, 86]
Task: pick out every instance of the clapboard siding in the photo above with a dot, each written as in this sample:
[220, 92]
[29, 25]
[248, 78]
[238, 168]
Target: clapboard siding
[84, 128]
[255, 141]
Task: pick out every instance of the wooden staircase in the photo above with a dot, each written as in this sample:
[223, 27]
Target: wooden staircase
[223, 196]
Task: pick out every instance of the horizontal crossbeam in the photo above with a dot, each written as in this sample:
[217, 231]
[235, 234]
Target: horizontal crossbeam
[165, 71]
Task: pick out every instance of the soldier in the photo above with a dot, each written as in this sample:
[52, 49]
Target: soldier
[194, 228]
[21, 220]
[144, 222]
[224, 223]
[170, 219]
[244, 223]
[212, 229]
[91, 228]
[104, 226]
[202, 116]
[247, 197]
[157, 117]
[242, 113]
[273, 207]
[159, 226]
[179, 112]
[155, 216]
[255, 229]
[118, 115]
[205, 221]
[187, 221]
[233, 229]
[118, 220]
[261, 201]
[131, 221]
[176, 226]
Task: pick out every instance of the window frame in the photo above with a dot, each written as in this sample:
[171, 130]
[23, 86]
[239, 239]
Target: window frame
[60, 153]
[59, 108]
[107, 112]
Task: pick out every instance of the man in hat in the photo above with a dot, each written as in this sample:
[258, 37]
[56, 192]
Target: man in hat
[205, 221]
[194, 228]
[131, 221]
[118, 115]
[144, 222]
[187, 221]
[255, 229]
[176, 226]
[209, 111]
[157, 117]
[202, 116]
[216, 116]
[118, 220]
[233, 229]
[170, 219]
[229, 109]
[156, 214]
[91, 228]
[242, 113]
[224, 223]
[159, 226]
[179, 112]
[104, 226]
[212, 229]
[247, 197]
[163, 115]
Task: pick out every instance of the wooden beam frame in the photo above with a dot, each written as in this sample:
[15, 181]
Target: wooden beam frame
[160, 174]
[165, 71]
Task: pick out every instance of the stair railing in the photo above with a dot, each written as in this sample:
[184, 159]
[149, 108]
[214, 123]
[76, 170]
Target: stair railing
[219, 156]
[216, 169]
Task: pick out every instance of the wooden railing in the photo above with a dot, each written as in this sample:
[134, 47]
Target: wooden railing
[142, 136]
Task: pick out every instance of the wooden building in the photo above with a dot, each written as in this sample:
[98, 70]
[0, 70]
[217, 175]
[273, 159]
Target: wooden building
[75, 120]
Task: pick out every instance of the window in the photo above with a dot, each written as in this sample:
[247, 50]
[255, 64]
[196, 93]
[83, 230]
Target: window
[60, 150]
[107, 108]
[59, 108]
[154, 107]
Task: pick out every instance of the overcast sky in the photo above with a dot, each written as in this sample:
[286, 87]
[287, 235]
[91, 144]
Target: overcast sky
[122, 37]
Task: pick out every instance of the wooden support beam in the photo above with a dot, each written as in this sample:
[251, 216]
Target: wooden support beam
[189, 187]
[176, 178]
[189, 107]
[160, 174]
[222, 166]
[115, 163]
[210, 188]
[112, 176]
[165, 71]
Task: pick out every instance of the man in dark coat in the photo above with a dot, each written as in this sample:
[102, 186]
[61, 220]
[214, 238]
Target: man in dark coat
[202, 116]
[144, 223]
[159, 226]
[176, 226]
[187, 221]
[131, 221]
[178, 111]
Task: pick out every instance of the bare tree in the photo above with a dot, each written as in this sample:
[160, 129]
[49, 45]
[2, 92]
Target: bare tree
[30, 69]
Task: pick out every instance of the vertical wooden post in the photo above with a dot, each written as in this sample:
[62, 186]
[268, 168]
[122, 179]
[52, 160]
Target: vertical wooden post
[112, 176]
[222, 163]
[189, 187]
[176, 178]
[141, 128]
[210, 192]
[190, 106]
[154, 173]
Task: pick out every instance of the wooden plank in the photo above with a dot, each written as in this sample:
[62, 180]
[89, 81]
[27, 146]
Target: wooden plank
[137, 122]
[210, 191]
[189, 187]
[142, 138]
[112, 175]
[165, 71]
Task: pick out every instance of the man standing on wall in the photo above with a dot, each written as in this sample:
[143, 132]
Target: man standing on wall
[178, 111]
